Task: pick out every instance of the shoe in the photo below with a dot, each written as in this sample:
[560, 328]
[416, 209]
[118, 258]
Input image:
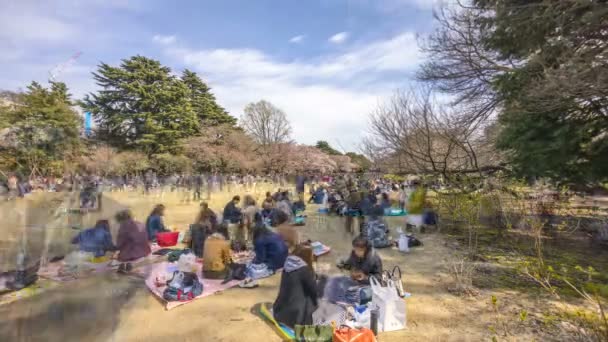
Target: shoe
[249, 284]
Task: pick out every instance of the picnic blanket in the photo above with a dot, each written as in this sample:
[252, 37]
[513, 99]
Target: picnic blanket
[319, 248]
[165, 269]
[395, 212]
[285, 332]
[37, 288]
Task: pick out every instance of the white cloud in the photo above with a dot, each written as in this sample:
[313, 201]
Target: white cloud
[166, 40]
[327, 97]
[33, 27]
[339, 38]
[297, 39]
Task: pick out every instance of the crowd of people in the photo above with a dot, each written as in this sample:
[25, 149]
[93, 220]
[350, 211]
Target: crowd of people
[265, 228]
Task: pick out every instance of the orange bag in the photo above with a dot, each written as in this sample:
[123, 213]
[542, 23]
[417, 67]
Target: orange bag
[346, 334]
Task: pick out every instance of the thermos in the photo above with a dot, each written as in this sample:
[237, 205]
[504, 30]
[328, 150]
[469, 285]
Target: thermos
[373, 325]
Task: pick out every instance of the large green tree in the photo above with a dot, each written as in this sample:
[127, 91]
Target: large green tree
[203, 101]
[142, 106]
[326, 147]
[541, 66]
[42, 130]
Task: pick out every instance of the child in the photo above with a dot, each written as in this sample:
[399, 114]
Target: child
[363, 261]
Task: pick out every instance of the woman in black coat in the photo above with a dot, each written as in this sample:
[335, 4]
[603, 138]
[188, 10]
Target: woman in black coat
[297, 298]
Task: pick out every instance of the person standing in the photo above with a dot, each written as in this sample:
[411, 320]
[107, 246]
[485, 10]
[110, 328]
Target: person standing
[198, 186]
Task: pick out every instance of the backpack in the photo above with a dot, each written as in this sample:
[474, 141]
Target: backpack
[258, 271]
[429, 218]
[376, 232]
[413, 241]
[182, 287]
[236, 272]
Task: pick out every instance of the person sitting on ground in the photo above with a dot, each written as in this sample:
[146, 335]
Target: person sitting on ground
[266, 210]
[363, 262]
[285, 206]
[269, 247]
[385, 202]
[232, 213]
[132, 240]
[154, 223]
[96, 240]
[297, 298]
[216, 257]
[299, 205]
[269, 198]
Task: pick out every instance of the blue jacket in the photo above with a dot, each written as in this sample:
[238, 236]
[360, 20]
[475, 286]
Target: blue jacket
[270, 249]
[96, 240]
[155, 225]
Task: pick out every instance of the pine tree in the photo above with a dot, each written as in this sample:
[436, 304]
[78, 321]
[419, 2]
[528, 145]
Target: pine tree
[141, 106]
[203, 101]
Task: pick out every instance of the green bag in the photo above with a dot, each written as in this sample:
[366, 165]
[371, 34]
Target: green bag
[310, 333]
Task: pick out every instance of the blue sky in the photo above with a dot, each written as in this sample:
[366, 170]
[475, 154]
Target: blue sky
[326, 63]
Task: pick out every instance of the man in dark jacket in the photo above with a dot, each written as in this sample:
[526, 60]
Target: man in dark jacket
[232, 213]
[270, 249]
[363, 261]
[297, 298]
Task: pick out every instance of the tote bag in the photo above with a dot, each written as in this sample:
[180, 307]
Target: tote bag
[314, 333]
[391, 308]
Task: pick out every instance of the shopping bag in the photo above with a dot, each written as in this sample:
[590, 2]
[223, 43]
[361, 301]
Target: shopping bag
[312, 333]
[404, 243]
[394, 280]
[347, 334]
[391, 308]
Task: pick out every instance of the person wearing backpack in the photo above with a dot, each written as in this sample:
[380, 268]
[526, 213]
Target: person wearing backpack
[297, 297]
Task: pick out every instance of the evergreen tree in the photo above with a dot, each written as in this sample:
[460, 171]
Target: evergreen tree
[141, 106]
[42, 130]
[325, 147]
[203, 101]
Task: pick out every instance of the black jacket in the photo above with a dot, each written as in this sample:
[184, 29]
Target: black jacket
[232, 213]
[297, 298]
[371, 264]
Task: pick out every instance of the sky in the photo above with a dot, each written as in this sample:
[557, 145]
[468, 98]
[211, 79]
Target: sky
[326, 63]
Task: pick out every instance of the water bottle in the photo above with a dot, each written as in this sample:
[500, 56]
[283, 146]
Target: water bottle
[374, 321]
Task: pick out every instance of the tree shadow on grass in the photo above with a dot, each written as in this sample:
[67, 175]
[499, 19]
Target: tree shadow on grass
[85, 311]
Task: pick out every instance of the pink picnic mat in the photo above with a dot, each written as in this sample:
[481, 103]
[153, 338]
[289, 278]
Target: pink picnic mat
[165, 270]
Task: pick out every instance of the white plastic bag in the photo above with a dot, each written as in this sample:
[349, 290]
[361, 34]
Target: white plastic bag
[391, 308]
[404, 243]
[363, 319]
[187, 263]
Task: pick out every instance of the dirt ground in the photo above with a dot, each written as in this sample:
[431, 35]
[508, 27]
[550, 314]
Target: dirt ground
[110, 307]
